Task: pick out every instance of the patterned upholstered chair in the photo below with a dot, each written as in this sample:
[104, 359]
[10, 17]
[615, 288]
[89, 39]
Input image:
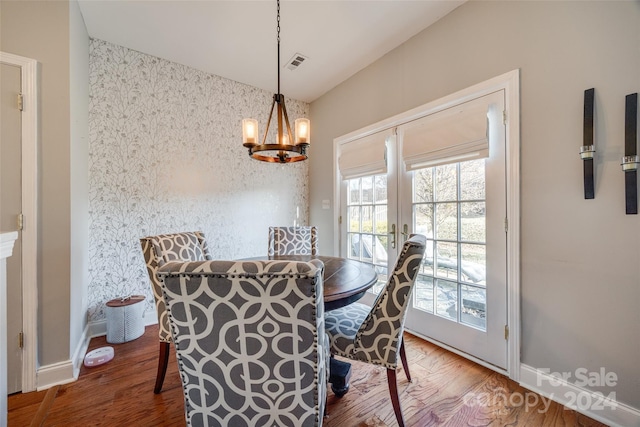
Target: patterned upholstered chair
[293, 241]
[374, 334]
[158, 250]
[250, 341]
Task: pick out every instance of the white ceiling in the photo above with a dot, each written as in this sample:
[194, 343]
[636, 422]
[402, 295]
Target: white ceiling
[236, 39]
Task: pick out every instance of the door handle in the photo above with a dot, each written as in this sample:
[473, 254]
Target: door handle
[405, 231]
[393, 236]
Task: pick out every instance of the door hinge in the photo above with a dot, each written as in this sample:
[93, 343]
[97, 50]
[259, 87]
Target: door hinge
[340, 219]
[20, 102]
[504, 117]
[506, 225]
[506, 332]
[21, 340]
[20, 221]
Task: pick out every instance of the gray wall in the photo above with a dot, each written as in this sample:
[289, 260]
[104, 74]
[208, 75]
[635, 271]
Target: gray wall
[40, 30]
[580, 266]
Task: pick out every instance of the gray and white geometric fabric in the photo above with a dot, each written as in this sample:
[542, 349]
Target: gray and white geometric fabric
[250, 341]
[293, 241]
[163, 248]
[374, 334]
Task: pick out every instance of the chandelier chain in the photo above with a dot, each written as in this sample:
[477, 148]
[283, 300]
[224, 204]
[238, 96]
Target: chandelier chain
[278, 29]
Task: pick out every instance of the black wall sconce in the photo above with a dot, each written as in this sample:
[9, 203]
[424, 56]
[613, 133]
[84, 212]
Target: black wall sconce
[588, 149]
[631, 160]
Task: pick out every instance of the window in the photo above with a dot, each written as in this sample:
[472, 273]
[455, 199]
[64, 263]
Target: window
[449, 208]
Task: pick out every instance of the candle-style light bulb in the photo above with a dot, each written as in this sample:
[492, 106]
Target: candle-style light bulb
[249, 131]
[302, 131]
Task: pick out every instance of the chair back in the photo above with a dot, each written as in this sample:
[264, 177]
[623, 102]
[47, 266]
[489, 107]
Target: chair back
[380, 335]
[250, 341]
[163, 248]
[293, 241]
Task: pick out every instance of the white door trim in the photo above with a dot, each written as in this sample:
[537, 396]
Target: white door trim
[30, 137]
[512, 107]
[510, 82]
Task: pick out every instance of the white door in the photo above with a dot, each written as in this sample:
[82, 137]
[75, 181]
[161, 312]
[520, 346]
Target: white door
[10, 208]
[446, 179]
[460, 298]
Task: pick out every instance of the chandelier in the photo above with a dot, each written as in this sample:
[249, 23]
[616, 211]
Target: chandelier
[283, 151]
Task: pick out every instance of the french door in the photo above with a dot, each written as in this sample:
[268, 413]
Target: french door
[447, 181]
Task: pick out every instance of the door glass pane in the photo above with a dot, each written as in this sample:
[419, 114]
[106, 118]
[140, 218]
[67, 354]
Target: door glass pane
[380, 253]
[367, 190]
[446, 188]
[473, 222]
[367, 219]
[427, 261]
[447, 221]
[380, 189]
[380, 219]
[423, 295]
[354, 191]
[474, 306]
[423, 219]
[447, 299]
[474, 263]
[472, 180]
[353, 246]
[354, 218]
[447, 260]
[423, 185]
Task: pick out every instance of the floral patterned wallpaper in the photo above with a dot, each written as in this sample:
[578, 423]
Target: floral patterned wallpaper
[165, 155]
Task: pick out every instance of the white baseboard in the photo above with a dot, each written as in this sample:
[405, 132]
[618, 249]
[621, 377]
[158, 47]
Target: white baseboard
[98, 328]
[585, 401]
[81, 350]
[68, 370]
[55, 374]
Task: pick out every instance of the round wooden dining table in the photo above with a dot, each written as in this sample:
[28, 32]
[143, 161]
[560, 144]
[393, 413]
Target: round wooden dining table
[345, 281]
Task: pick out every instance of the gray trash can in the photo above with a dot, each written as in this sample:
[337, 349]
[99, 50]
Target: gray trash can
[125, 321]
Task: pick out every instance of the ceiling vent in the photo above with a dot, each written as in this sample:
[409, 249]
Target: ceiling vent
[295, 61]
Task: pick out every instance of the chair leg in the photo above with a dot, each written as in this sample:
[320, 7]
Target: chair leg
[403, 357]
[163, 361]
[395, 399]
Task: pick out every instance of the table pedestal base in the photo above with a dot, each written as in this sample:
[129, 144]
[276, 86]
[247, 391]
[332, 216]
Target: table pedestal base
[339, 376]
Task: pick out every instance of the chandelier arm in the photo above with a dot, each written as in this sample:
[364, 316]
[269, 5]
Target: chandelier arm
[279, 137]
[266, 131]
[286, 120]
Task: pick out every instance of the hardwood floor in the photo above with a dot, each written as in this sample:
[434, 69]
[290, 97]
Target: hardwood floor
[447, 390]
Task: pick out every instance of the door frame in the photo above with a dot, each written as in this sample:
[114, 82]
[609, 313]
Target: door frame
[30, 137]
[510, 83]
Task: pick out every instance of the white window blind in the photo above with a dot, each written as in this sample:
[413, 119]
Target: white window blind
[452, 135]
[364, 156]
